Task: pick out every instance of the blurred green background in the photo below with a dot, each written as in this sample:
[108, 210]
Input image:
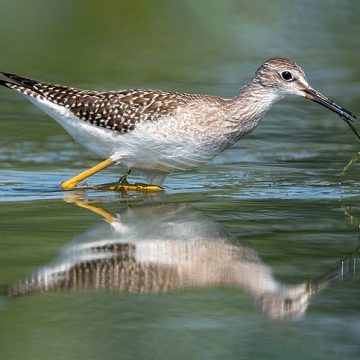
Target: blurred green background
[278, 190]
[131, 43]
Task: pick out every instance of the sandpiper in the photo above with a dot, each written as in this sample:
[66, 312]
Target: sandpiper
[160, 132]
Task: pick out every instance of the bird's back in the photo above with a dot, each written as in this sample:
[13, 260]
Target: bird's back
[117, 110]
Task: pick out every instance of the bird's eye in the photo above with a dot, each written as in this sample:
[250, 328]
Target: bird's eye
[286, 75]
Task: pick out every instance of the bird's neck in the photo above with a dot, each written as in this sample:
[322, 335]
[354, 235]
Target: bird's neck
[250, 105]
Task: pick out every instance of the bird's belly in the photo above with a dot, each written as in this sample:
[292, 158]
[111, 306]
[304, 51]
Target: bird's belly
[148, 151]
[169, 144]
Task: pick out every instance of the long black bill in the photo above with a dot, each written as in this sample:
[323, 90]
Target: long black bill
[346, 115]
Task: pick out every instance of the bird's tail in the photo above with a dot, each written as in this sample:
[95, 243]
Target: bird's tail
[21, 84]
[7, 84]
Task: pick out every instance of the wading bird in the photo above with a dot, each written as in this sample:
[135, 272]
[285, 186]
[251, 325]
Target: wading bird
[160, 132]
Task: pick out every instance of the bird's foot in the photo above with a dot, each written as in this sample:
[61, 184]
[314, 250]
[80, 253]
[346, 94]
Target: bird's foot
[119, 186]
[124, 185]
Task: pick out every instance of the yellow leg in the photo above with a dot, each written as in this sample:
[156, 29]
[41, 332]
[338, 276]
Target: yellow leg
[71, 183]
[121, 185]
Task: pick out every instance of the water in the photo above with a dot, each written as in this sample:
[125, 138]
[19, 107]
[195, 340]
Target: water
[252, 256]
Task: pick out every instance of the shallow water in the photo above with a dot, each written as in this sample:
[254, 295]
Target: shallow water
[254, 255]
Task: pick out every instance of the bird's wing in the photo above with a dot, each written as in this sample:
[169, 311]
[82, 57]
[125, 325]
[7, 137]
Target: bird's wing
[116, 110]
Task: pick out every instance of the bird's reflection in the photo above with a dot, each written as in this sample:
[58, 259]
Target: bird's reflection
[157, 248]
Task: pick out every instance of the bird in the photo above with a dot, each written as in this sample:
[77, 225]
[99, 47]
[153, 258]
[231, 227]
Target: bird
[161, 132]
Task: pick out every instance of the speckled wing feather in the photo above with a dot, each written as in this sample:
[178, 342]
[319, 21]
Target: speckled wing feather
[116, 110]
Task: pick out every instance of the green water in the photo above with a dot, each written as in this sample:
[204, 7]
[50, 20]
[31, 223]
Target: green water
[252, 256]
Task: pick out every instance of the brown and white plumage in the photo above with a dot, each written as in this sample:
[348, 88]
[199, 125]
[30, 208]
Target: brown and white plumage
[115, 110]
[160, 132]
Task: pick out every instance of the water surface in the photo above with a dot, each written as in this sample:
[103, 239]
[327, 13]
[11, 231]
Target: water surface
[254, 255]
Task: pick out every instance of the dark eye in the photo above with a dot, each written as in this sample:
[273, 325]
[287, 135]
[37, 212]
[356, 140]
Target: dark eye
[286, 75]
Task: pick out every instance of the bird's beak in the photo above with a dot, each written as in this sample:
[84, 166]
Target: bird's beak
[319, 98]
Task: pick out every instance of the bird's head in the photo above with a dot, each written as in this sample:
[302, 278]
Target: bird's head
[285, 78]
